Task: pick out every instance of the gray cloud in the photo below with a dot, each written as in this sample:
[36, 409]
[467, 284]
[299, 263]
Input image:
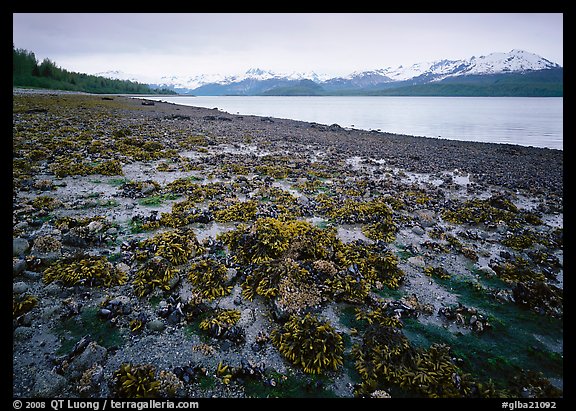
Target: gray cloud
[325, 42]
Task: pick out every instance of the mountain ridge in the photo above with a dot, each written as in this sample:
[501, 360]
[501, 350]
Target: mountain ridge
[257, 81]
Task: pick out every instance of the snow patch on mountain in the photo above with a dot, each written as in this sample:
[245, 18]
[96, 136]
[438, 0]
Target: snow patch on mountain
[253, 74]
[513, 61]
[432, 68]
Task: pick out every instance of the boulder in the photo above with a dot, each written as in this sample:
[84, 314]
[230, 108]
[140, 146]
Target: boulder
[19, 246]
[425, 217]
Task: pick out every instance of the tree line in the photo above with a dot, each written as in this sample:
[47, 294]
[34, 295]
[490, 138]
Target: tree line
[28, 72]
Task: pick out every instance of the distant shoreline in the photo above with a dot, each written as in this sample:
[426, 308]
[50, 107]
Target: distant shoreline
[519, 120]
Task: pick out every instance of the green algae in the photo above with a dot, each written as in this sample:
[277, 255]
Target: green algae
[72, 329]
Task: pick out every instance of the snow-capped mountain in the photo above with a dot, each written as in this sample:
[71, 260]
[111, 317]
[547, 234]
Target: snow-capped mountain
[441, 68]
[514, 61]
[257, 80]
[253, 74]
[517, 61]
[189, 82]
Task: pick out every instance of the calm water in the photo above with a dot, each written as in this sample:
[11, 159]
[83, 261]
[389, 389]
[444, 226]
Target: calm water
[528, 121]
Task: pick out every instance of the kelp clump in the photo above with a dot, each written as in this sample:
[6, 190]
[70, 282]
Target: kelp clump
[195, 191]
[74, 165]
[540, 297]
[381, 355]
[375, 215]
[489, 212]
[379, 315]
[517, 269]
[136, 381]
[156, 272]
[375, 262]
[524, 239]
[236, 211]
[386, 358]
[265, 278]
[177, 246]
[309, 343]
[308, 260]
[139, 148]
[84, 231]
[209, 277]
[437, 272]
[292, 287]
[90, 271]
[298, 291]
[21, 304]
[185, 212]
[270, 238]
[45, 202]
[278, 203]
[530, 285]
[139, 189]
[222, 324]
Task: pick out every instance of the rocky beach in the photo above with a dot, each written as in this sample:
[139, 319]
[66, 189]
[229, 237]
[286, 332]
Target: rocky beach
[181, 252]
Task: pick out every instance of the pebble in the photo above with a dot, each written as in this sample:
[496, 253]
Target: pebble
[174, 318]
[230, 274]
[22, 225]
[426, 218]
[51, 312]
[48, 384]
[156, 325]
[501, 227]
[123, 267]
[122, 300]
[92, 354]
[95, 226]
[112, 231]
[417, 261]
[22, 333]
[18, 266]
[147, 188]
[19, 246]
[173, 282]
[53, 290]
[19, 287]
[487, 271]
[31, 275]
[418, 230]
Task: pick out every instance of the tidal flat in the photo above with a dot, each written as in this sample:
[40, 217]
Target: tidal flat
[171, 251]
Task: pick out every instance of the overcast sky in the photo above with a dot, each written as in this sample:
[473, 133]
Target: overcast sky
[151, 44]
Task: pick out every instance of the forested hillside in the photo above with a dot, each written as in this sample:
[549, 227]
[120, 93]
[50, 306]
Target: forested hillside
[28, 72]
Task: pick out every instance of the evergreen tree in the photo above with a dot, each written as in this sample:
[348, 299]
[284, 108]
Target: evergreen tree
[26, 72]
